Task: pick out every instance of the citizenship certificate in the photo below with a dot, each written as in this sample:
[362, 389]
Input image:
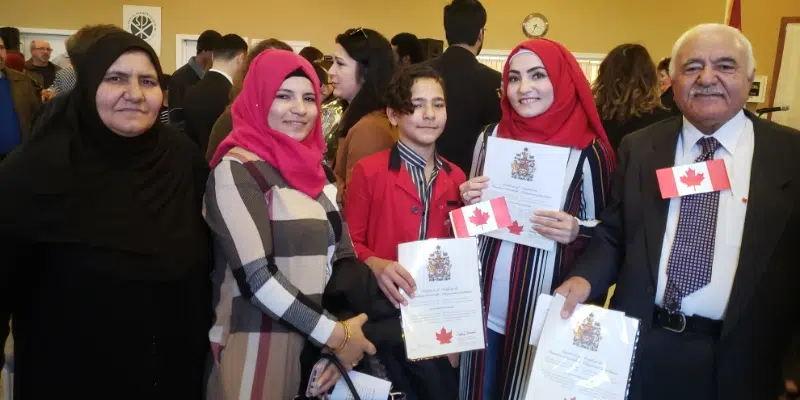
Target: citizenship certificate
[446, 314]
[531, 178]
[586, 357]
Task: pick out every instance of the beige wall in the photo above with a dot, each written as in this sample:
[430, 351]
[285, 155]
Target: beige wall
[589, 26]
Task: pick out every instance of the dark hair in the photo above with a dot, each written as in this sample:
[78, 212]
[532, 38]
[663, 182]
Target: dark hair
[11, 37]
[208, 41]
[663, 65]
[408, 45]
[257, 49]
[463, 21]
[165, 81]
[322, 74]
[230, 46]
[626, 84]
[79, 42]
[398, 94]
[311, 53]
[375, 66]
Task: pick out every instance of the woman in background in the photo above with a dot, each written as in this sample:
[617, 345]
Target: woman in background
[627, 92]
[272, 209]
[224, 123]
[106, 256]
[363, 66]
[546, 100]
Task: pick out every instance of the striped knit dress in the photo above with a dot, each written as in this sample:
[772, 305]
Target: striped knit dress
[534, 271]
[275, 248]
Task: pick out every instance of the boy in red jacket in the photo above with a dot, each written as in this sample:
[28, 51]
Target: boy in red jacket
[406, 193]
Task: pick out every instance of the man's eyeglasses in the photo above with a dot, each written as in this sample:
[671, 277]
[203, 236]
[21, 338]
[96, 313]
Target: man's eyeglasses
[47, 49]
[351, 32]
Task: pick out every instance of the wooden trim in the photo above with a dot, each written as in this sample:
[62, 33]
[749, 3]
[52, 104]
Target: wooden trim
[776, 69]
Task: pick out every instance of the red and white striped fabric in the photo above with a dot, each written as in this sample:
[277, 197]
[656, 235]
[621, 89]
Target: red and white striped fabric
[480, 218]
[704, 177]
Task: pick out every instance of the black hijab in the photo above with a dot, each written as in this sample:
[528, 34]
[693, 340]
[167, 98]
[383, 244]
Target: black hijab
[78, 183]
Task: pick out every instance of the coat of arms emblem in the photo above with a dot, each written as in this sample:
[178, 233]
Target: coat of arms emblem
[439, 265]
[588, 334]
[523, 166]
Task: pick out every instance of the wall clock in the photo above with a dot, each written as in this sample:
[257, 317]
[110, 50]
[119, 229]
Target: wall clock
[535, 25]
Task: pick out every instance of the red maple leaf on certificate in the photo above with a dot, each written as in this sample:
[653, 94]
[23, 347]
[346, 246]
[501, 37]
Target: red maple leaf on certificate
[692, 178]
[515, 228]
[479, 218]
[444, 337]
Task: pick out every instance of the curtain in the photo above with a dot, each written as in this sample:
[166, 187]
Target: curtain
[788, 89]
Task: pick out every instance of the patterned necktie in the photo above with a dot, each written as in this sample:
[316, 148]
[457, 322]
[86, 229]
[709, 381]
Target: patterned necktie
[692, 254]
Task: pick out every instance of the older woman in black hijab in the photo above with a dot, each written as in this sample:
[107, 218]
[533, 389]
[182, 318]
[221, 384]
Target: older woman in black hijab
[104, 255]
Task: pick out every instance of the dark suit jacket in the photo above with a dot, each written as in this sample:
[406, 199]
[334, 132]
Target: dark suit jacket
[182, 79]
[204, 103]
[473, 101]
[26, 100]
[762, 313]
[221, 129]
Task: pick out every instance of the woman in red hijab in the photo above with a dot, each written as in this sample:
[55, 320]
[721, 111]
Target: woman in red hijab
[278, 231]
[546, 100]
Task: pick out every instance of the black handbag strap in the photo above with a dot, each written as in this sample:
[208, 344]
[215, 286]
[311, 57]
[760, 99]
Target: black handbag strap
[332, 358]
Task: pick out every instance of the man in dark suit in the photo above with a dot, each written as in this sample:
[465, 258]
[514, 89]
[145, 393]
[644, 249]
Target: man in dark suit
[471, 88]
[191, 73]
[713, 277]
[206, 100]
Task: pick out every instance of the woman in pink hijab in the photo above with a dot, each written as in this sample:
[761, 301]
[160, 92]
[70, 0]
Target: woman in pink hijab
[277, 233]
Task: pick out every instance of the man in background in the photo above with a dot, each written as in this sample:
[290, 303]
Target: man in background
[195, 69]
[471, 88]
[19, 101]
[14, 58]
[39, 66]
[407, 49]
[665, 82]
[206, 100]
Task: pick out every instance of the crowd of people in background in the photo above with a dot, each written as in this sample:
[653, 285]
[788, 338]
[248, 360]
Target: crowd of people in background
[227, 230]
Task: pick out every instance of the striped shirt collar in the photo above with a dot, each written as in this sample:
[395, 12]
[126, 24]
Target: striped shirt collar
[412, 158]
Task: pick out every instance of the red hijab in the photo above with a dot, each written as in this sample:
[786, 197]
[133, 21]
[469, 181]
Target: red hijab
[299, 162]
[572, 119]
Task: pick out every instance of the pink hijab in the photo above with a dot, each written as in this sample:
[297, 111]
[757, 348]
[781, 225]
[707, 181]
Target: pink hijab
[299, 162]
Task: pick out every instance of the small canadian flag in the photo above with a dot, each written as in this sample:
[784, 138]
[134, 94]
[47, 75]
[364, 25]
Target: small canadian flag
[480, 218]
[704, 177]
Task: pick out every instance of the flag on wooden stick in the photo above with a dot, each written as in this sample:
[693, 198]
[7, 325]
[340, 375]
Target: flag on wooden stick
[733, 13]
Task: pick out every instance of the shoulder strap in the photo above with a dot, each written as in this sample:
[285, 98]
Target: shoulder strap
[487, 131]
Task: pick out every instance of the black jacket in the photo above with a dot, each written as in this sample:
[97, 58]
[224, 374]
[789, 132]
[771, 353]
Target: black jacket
[472, 91]
[762, 314]
[616, 130]
[183, 78]
[352, 290]
[203, 104]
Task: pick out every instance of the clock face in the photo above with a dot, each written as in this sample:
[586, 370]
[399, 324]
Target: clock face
[535, 25]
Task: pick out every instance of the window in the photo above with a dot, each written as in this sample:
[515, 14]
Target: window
[56, 37]
[589, 62]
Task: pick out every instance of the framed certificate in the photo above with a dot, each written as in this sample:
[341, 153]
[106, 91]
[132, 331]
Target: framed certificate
[446, 314]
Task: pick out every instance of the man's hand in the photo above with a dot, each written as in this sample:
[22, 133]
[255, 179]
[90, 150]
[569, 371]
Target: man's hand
[576, 290]
[390, 276]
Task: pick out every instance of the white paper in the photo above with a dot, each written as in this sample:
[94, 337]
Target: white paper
[144, 23]
[446, 314]
[586, 357]
[531, 178]
[539, 316]
[367, 386]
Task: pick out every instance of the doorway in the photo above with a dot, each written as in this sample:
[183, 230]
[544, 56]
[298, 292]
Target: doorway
[786, 91]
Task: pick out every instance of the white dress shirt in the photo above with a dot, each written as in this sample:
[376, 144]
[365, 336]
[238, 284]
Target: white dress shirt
[736, 139]
[225, 74]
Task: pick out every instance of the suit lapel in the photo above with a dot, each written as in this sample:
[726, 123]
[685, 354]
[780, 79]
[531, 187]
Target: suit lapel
[662, 155]
[768, 210]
